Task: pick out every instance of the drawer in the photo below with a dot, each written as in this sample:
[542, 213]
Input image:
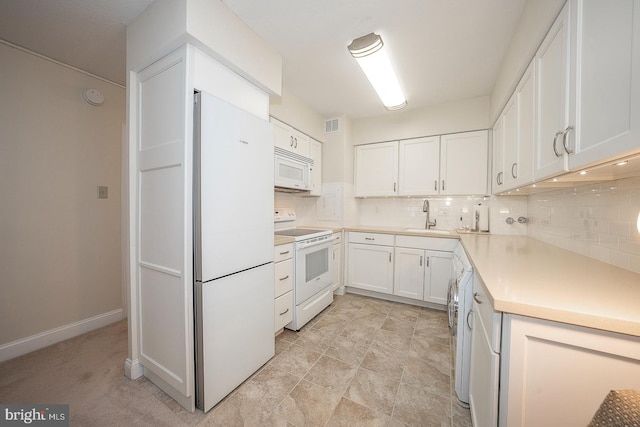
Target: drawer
[429, 243]
[283, 310]
[372, 238]
[491, 319]
[282, 252]
[283, 277]
[337, 238]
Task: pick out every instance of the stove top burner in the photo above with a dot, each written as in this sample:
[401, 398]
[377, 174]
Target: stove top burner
[297, 232]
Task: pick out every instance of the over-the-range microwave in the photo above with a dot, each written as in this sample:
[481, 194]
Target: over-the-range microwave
[292, 171]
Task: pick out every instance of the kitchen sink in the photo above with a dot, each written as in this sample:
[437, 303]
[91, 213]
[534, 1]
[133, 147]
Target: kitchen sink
[425, 231]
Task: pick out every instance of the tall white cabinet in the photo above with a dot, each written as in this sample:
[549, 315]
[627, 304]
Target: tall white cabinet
[376, 169]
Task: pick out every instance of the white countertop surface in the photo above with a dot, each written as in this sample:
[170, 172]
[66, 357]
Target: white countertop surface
[528, 277]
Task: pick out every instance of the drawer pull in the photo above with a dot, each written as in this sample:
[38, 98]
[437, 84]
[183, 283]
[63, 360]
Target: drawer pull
[284, 278]
[469, 315]
[284, 253]
[284, 312]
[476, 298]
[369, 238]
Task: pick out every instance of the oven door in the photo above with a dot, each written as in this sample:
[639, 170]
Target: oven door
[313, 268]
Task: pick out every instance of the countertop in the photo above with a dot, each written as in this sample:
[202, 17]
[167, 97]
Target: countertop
[528, 277]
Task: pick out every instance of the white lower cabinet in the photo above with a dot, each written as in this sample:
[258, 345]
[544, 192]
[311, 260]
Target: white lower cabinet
[283, 285]
[558, 374]
[336, 266]
[422, 274]
[371, 267]
[418, 268]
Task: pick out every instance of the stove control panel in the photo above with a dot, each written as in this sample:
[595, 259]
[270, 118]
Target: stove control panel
[284, 215]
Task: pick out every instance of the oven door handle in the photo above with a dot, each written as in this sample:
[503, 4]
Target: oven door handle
[326, 242]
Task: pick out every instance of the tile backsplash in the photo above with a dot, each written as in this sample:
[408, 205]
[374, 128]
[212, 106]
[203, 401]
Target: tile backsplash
[447, 211]
[597, 220]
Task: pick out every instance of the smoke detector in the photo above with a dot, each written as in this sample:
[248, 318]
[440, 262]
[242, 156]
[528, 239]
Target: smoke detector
[93, 96]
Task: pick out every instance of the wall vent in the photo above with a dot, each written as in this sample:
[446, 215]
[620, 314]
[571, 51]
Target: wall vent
[331, 125]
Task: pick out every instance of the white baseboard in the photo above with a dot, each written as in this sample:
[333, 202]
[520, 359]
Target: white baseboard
[52, 336]
[133, 369]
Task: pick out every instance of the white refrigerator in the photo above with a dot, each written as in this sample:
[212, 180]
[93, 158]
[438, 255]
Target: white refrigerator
[233, 253]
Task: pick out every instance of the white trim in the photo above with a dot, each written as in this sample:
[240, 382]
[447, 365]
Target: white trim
[71, 67]
[133, 369]
[52, 336]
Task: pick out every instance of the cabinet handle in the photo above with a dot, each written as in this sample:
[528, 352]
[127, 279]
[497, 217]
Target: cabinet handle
[284, 253]
[394, 186]
[420, 260]
[291, 141]
[435, 185]
[499, 178]
[514, 174]
[443, 185]
[555, 140]
[389, 256]
[369, 238]
[564, 139]
[284, 312]
[296, 142]
[469, 314]
[284, 278]
[428, 261]
[476, 298]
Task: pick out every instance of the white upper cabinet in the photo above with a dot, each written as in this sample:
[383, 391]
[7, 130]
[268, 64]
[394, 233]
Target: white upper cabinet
[513, 136]
[419, 166]
[553, 99]
[605, 80]
[464, 163]
[290, 139]
[455, 164]
[376, 169]
[588, 104]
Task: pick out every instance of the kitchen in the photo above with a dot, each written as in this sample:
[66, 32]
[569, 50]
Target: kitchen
[600, 226]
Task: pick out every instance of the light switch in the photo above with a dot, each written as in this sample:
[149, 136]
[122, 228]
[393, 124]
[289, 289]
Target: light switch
[103, 192]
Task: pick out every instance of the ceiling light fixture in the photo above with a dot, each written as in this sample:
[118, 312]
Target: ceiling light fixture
[374, 61]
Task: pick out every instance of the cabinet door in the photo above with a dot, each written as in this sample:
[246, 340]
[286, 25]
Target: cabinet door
[336, 272]
[552, 106]
[300, 143]
[376, 169]
[605, 107]
[371, 267]
[419, 169]
[497, 180]
[282, 136]
[315, 153]
[408, 277]
[510, 142]
[438, 273]
[484, 376]
[464, 163]
[526, 127]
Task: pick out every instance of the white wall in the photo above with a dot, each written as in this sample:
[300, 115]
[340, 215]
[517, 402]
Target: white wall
[60, 258]
[535, 21]
[597, 220]
[460, 116]
[291, 110]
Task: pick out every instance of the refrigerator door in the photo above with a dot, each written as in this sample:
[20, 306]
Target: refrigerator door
[237, 331]
[234, 189]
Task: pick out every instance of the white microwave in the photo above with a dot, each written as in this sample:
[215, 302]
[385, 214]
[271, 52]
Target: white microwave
[292, 171]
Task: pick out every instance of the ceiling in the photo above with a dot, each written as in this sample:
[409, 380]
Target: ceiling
[443, 50]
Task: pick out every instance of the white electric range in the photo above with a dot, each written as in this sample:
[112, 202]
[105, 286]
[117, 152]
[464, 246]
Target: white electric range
[312, 259]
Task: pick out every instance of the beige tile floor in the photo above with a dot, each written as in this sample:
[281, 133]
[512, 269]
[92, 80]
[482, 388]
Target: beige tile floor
[362, 361]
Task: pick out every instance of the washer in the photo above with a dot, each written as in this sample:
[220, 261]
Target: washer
[459, 305]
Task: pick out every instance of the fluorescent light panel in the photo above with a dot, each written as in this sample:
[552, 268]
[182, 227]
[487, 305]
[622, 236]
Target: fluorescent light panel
[374, 61]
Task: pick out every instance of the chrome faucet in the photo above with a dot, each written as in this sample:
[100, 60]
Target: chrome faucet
[425, 208]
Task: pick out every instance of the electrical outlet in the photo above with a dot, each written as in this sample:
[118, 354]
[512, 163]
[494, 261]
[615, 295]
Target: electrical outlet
[103, 192]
